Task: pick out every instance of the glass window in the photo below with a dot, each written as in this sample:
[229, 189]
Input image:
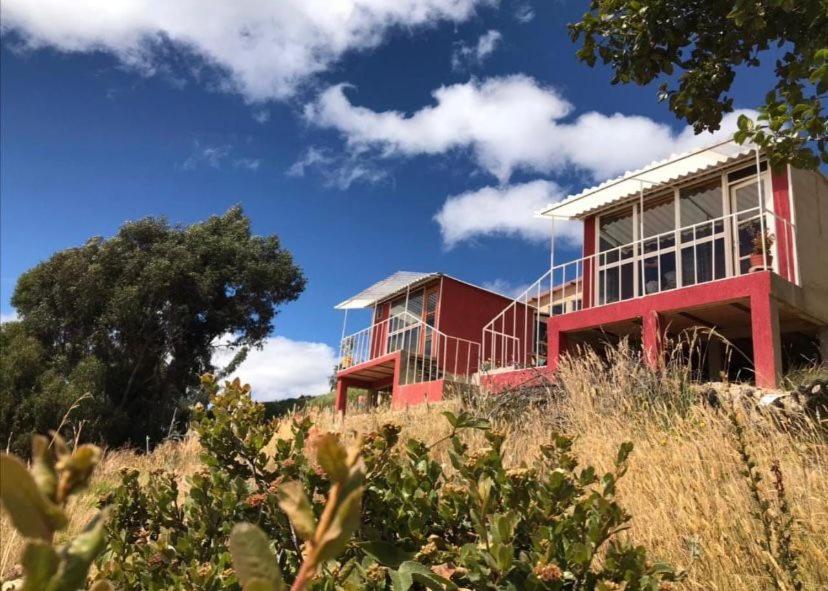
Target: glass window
[700, 203]
[659, 216]
[746, 172]
[616, 229]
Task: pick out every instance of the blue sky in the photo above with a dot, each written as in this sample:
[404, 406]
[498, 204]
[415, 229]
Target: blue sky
[137, 113]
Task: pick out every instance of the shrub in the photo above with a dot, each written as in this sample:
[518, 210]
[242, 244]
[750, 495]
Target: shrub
[473, 524]
[35, 500]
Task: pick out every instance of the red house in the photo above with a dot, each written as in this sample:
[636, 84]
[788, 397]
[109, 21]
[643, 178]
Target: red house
[709, 239]
[424, 336]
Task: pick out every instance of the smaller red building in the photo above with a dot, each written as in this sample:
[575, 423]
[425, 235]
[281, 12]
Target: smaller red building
[423, 338]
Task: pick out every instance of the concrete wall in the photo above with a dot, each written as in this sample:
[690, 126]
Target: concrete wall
[810, 199]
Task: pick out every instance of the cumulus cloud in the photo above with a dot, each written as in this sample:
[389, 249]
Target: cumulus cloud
[504, 211]
[465, 55]
[508, 124]
[261, 49]
[283, 368]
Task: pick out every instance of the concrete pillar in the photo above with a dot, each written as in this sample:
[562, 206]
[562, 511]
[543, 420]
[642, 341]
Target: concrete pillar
[715, 358]
[341, 395]
[555, 344]
[767, 349]
[823, 343]
[652, 339]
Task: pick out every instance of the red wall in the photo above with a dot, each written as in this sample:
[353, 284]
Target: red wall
[466, 309]
[783, 231]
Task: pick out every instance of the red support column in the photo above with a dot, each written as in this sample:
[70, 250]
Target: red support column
[341, 395]
[767, 350]
[555, 344]
[651, 337]
[588, 269]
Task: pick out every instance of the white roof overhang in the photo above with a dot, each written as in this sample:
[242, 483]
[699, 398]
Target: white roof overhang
[651, 177]
[382, 289]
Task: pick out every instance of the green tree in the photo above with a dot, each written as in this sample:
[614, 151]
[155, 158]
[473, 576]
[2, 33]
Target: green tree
[695, 46]
[135, 319]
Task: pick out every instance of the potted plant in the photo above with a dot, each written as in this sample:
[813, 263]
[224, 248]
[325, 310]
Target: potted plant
[761, 257]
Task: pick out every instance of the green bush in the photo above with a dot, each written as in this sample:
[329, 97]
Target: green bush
[474, 525]
[35, 499]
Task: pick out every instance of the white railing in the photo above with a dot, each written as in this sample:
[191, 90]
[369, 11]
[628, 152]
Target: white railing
[699, 253]
[427, 353]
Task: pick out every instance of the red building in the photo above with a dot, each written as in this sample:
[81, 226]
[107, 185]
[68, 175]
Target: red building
[712, 239]
[424, 336]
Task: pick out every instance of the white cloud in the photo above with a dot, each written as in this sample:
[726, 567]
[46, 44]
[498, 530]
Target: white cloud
[262, 49]
[337, 170]
[9, 317]
[508, 123]
[505, 211]
[261, 116]
[507, 288]
[283, 368]
[524, 14]
[465, 56]
[216, 157]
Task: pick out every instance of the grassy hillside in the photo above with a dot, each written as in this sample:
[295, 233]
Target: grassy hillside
[690, 502]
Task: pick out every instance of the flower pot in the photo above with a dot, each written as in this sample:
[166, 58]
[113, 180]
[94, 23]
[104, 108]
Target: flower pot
[757, 262]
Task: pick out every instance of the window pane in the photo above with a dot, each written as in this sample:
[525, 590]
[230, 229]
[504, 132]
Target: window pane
[659, 216]
[701, 203]
[615, 229]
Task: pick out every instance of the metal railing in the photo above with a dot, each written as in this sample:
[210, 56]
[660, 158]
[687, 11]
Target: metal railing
[427, 353]
[708, 251]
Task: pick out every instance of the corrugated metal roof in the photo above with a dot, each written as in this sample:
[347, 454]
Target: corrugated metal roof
[382, 289]
[652, 176]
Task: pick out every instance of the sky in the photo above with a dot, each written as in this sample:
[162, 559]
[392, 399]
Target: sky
[371, 136]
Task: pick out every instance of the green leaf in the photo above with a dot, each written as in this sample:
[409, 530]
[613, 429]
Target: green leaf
[344, 523]
[253, 560]
[77, 556]
[294, 502]
[43, 467]
[403, 578]
[32, 514]
[386, 553]
[623, 453]
[332, 457]
[39, 562]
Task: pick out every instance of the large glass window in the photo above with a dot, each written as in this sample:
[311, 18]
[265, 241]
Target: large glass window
[404, 329]
[659, 265]
[702, 254]
[616, 229]
[615, 260]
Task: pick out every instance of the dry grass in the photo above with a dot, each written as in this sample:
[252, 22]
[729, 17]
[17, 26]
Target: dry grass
[689, 502]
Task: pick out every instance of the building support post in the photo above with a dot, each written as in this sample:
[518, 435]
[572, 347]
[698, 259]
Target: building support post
[823, 343]
[652, 339]
[555, 344]
[715, 358]
[341, 395]
[767, 349]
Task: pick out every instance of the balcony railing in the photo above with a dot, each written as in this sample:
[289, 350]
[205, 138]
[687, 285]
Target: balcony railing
[427, 353]
[708, 251]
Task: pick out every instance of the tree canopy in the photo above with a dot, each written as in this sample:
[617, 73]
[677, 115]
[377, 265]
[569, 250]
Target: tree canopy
[694, 47]
[134, 320]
